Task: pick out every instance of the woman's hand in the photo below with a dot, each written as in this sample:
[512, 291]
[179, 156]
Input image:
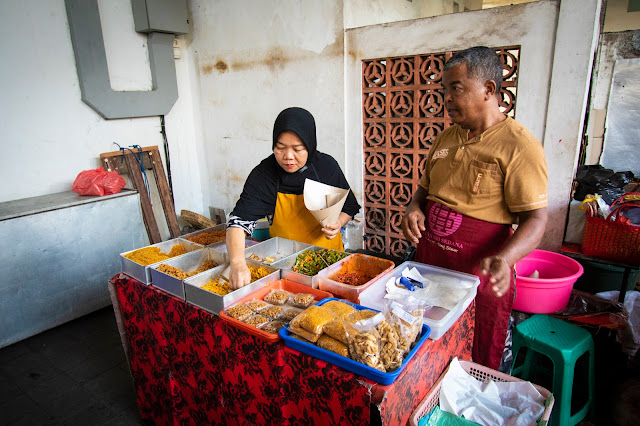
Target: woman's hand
[413, 224]
[330, 231]
[500, 272]
[239, 275]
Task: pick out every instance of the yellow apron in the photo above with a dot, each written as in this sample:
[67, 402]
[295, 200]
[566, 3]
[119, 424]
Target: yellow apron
[293, 221]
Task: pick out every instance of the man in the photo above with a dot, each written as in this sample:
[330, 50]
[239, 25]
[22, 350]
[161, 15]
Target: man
[483, 174]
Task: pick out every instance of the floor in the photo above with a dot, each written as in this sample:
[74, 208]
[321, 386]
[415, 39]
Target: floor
[74, 374]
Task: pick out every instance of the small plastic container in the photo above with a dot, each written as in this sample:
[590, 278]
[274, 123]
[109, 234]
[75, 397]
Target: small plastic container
[141, 272]
[363, 264]
[483, 374]
[287, 285]
[550, 292]
[349, 364]
[438, 319]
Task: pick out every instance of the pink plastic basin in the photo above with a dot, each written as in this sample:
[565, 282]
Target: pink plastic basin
[551, 291]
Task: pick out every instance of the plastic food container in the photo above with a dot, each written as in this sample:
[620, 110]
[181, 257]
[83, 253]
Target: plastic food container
[363, 265]
[277, 247]
[287, 285]
[438, 319]
[141, 272]
[483, 374]
[187, 263]
[214, 303]
[349, 364]
[286, 266]
[550, 292]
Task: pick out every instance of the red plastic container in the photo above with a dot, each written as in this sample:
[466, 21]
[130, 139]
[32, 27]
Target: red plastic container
[291, 286]
[549, 292]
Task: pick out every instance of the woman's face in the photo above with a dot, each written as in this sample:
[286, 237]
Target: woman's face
[290, 152]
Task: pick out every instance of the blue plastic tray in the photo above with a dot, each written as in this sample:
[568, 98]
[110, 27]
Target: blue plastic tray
[346, 363]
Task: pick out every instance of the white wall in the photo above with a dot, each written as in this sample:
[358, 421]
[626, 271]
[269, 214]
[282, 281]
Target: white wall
[48, 134]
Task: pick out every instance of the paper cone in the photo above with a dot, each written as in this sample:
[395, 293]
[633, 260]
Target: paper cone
[324, 201]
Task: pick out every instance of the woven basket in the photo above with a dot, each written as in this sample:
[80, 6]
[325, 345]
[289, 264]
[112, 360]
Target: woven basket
[612, 239]
[485, 375]
[196, 219]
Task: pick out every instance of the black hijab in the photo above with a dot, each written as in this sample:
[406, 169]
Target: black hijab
[258, 198]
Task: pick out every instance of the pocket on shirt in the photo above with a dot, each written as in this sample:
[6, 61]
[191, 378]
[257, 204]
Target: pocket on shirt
[484, 179]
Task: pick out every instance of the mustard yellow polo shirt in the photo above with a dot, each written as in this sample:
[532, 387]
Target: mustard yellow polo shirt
[498, 173]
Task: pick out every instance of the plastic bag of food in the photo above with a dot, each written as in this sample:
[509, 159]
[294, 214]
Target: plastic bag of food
[364, 341]
[278, 297]
[405, 314]
[289, 314]
[331, 344]
[391, 353]
[335, 328]
[98, 182]
[273, 327]
[240, 312]
[256, 320]
[339, 308]
[301, 332]
[313, 319]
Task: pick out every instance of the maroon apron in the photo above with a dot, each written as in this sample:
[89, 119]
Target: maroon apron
[455, 241]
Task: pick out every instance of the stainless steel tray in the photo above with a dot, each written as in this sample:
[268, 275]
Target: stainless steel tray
[277, 247]
[222, 245]
[202, 231]
[141, 272]
[286, 272]
[214, 303]
[188, 263]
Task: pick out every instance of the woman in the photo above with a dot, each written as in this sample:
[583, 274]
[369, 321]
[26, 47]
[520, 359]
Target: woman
[275, 189]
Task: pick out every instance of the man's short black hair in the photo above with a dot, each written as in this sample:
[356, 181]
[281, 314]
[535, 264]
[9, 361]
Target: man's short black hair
[482, 62]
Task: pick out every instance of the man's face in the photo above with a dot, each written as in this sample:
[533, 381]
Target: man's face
[464, 97]
[290, 152]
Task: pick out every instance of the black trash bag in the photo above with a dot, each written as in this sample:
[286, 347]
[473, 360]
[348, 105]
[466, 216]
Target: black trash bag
[595, 179]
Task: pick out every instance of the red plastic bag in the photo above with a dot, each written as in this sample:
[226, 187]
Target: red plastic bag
[98, 182]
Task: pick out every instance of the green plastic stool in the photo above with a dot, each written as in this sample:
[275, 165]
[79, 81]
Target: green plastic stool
[563, 343]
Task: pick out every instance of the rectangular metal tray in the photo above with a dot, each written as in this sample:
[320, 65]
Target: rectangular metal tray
[214, 303]
[202, 231]
[141, 272]
[222, 245]
[188, 263]
[277, 247]
[286, 266]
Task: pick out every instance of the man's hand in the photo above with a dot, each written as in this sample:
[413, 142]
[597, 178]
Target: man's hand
[500, 272]
[413, 224]
[239, 275]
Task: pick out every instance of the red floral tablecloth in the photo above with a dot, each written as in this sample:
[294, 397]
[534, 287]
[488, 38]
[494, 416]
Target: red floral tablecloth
[190, 367]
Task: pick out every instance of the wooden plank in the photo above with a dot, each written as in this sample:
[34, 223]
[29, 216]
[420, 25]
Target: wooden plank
[117, 153]
[145, 202]
[165, 194]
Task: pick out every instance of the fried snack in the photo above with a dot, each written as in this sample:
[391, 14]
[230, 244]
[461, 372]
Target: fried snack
[277, 297]
[272, 312]
[256, 320]
[339, 308]
[289, 314]
[363, 314]
[363, 347]
[240, 312]
[299, 331]
[331, 344]
[391, 355]
[256, 305]
[335, 329]
[217, 286]
[302, 300]
[273, 327]
[313, 319]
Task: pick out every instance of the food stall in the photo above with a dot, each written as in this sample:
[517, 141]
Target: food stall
[192, 364]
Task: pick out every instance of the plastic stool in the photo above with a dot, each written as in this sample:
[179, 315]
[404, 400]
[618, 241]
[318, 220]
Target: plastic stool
[563, 343]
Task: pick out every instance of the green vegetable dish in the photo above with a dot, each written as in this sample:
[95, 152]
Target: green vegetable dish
[311, 262]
